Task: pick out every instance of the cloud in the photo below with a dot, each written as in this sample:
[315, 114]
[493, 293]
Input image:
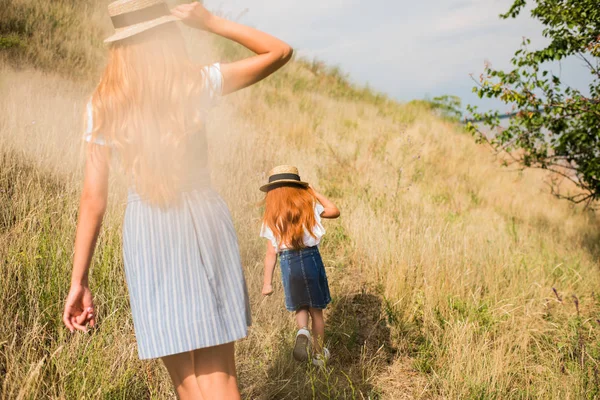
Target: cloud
[403, 48]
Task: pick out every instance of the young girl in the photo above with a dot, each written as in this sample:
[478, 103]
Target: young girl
[186, 284]
[292, 225]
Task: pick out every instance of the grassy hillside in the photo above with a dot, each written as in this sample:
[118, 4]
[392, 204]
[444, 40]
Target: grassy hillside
[451, 276]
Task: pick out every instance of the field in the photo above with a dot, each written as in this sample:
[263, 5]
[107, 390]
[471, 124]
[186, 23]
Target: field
[451, 276]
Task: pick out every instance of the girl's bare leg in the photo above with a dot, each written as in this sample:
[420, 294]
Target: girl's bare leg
[181, 370]
[318, 329]
[215, 372]
[302, 318]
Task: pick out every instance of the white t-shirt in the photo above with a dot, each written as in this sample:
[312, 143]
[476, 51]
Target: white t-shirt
[213, 89]
[309, 241]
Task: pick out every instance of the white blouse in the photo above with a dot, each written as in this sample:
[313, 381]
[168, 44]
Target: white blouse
[309, 241]
[213, 90]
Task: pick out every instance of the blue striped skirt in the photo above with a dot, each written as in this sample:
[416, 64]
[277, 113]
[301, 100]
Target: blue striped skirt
[185, 279]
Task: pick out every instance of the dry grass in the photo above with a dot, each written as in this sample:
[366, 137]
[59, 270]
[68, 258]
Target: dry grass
[442, 266]
[57, 35]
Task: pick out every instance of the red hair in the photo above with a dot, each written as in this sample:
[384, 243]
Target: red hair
[289, 211]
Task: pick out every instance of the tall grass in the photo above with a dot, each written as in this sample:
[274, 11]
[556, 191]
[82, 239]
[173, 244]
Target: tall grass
[451, 277]
[57, 35]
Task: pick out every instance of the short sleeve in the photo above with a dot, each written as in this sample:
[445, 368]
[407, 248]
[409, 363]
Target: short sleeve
[267, 233]
[213, 83]
[90, 127]
[319, 210]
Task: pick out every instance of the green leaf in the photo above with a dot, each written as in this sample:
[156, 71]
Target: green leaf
[553, 119]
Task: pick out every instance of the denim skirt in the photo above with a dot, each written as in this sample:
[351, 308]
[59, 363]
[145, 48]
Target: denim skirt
[304, 279]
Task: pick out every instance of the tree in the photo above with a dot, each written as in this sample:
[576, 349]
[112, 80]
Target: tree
[556, 127]
[448, 106]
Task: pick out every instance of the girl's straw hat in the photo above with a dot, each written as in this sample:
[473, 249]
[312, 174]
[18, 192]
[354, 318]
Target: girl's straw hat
[130, 17]
[283, 175]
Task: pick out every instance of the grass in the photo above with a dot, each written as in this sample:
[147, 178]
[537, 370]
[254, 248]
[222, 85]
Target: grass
[53, 35]
[451, 276]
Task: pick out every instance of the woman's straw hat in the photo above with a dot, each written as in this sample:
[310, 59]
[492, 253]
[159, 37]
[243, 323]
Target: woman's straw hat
[283, 175]
[130, 17]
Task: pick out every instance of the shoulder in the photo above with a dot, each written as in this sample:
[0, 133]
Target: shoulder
[213, 79]
[318, 208]
[265, 231]
[89, 126]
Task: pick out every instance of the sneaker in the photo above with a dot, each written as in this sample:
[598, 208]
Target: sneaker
[321, 359]
[301, 346]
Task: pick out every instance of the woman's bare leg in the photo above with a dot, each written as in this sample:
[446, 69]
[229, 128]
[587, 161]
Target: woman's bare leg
[215, 372]
[318, 329]
[181, 370]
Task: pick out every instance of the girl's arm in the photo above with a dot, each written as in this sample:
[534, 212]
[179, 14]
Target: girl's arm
[79, 307]
[271, 53]
[331, 211]
[270, 261]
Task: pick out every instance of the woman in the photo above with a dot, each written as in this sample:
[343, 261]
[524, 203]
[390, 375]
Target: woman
[187, 290]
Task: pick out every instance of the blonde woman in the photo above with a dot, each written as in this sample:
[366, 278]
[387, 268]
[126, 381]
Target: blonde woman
[187, 290]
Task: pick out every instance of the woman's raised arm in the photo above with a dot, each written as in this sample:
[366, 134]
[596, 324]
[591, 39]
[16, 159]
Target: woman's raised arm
[271, 53]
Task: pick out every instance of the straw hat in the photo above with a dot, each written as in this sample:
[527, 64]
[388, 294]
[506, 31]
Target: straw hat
[283, 175]
[130, 17]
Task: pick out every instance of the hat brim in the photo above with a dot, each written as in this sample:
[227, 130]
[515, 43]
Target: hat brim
[131, 30]
[282, 182]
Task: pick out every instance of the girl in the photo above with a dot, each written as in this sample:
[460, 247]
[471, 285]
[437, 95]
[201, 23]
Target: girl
[186, 285]
[292, 225]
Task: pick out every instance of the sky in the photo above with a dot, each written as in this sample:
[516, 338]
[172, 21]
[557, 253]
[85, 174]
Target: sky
[408, 50]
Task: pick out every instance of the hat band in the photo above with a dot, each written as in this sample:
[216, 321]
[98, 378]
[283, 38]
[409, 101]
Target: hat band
[278, 177]
[136, 17]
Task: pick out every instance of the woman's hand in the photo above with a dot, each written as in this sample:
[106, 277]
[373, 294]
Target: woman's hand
[267, 290]
[79, 309]
[194, 15]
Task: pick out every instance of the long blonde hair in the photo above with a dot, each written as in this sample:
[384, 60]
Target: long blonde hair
[146, 105]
